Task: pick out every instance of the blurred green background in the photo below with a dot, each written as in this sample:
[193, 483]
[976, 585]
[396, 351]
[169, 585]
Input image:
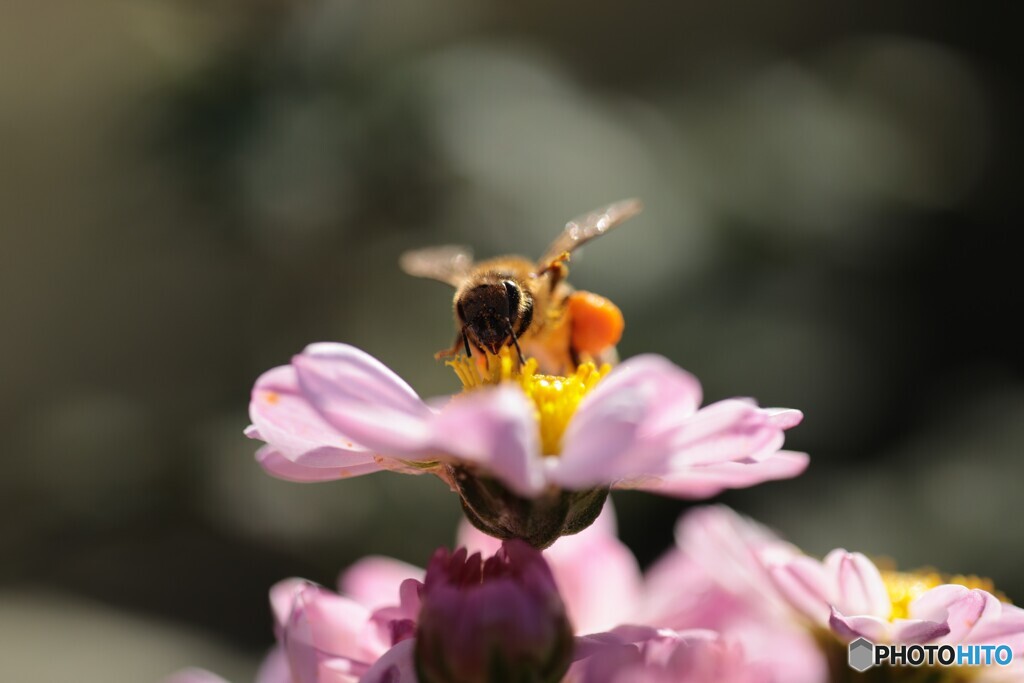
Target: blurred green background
[192, 191]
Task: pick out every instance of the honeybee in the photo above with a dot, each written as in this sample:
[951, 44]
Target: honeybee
[511, 301]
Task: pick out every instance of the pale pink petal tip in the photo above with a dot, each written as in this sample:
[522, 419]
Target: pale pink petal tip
[861, 589]
[785, 418]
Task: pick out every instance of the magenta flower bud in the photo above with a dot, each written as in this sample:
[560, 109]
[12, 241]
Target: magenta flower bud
[492, 621]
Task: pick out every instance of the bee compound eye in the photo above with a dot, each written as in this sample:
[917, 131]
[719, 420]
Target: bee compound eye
[514, 296]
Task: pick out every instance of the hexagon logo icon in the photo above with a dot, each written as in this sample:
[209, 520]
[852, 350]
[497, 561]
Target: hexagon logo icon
[862, 654]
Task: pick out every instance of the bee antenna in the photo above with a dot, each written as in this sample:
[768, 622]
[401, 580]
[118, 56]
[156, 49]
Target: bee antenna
[515, 342]
[465, 343]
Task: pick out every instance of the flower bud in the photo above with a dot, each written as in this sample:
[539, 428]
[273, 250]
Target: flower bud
[499, 620]
[540, 521]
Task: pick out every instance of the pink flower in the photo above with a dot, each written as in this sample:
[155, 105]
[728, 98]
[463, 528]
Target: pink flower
[637, 654]
[849, 594]
[753, 578]
[337, 412]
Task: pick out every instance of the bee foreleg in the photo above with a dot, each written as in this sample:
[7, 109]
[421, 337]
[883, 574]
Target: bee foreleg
[556, 268]
[460, 340]
[515, 342]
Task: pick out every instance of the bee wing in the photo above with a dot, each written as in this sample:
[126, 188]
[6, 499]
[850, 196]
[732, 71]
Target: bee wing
[582, 229]
[449, 264]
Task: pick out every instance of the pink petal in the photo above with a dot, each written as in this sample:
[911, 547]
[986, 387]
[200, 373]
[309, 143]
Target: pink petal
[362, 399]
[1003, 625]
[805, 585]
[395, 666]
[638, 655]
[959, 607]
[911, 631]
[383, 430]
[396, 622]
[634, 441]
[785, 418]
[622, 423]
[860, 585]
[601, 643]
[850, 628]
[713, 659]
[672, 385]
[730, 547]
[282, 598]
[705, 481]
[324, 623]
[598, 445]
[719, 530]
[496, 430]
[330, 372]
[278, 466]
[679, 594]
[784, 650]
[285, 419]
[721, 432]
[374, 581]
[598, 577]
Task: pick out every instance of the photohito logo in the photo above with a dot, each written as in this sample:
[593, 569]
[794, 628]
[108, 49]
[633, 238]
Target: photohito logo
[863, 654]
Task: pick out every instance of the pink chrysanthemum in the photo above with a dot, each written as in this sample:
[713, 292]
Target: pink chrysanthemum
[849, 594]
[337, 412]
[846, 593]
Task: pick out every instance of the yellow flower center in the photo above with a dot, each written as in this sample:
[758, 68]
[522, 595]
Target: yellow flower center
[554, 398]
[905, 587]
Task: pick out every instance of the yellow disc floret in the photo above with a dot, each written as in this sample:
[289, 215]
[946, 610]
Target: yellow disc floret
[555, 398]
[905, 587]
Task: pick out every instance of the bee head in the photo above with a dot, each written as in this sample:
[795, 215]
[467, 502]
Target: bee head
[494, 314]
